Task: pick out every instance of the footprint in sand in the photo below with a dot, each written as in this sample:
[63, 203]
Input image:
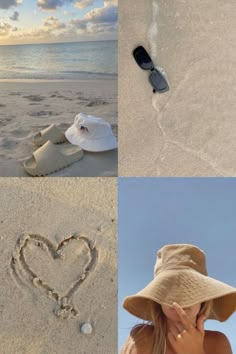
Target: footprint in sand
[61, 96]
[4, 121]
[15, 93]
[7, 143]
[43, 114]
[96, 103]
[56, 270]
[19, 133]
[35, 98]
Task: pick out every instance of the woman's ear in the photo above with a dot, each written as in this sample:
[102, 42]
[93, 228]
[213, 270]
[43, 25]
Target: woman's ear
[202, 305]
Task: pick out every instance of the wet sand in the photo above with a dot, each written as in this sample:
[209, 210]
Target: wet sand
[138, 134]
[191, 130]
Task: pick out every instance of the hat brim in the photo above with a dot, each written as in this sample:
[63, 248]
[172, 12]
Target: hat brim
[187, 288]
[93, 145]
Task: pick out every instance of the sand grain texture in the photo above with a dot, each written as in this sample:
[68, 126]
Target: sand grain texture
[58, 265]
[27, 107]
[193, 131]
[138, 149]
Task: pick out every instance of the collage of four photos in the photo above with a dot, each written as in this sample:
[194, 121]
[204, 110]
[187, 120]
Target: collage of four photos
[117, 177]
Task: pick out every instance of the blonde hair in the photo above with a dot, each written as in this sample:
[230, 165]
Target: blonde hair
[159, 332]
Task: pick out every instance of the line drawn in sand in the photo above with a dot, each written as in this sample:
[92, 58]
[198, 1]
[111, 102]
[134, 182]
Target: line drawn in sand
[24, 273]
[167, 140]
[201, 154]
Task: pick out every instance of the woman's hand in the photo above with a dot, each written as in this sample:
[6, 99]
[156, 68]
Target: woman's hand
[187, 339]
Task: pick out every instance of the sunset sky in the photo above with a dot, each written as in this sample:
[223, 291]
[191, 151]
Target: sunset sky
[52, 21]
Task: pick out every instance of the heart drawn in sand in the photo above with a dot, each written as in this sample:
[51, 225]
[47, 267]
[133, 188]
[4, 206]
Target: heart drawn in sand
[58, 270]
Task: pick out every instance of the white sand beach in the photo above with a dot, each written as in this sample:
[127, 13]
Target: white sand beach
[189, 131]
[58, 265]
[27, 107]
[138, 133]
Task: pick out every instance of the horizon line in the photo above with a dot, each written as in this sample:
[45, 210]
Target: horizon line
[100, 40]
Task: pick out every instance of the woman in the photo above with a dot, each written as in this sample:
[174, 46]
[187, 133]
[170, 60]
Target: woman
[176, 303]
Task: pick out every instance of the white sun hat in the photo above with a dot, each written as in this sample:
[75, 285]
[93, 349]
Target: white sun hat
[91, 133]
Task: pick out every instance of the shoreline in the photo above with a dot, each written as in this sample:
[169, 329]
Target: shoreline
[195, 118]
[138, 135]
[58, 80]
[190, 130]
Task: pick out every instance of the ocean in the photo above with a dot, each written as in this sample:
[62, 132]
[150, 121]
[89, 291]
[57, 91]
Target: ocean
[59, 61]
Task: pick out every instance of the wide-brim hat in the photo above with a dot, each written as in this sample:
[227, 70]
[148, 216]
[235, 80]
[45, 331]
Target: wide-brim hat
[91, 133]
[180, 276]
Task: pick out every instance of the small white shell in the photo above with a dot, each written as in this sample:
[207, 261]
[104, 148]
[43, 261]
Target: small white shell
[86, 328]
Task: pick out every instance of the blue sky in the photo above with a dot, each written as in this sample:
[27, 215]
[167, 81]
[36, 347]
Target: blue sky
[51, 21]
[158, 211]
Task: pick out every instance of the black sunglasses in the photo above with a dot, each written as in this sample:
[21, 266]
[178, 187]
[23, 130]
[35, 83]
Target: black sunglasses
[144, 61]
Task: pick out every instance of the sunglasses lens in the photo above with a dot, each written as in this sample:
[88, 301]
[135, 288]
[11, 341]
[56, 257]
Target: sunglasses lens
[158, 81]
[142, 58]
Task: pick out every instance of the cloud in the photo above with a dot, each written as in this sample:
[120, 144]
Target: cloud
[33, 34]
[50, 5]
[53, 23]
[101, 28]
[110, 2]
[107, 14]
[100, 22]
[79, 24]
[6, 4]
[82, 4]
[15, 16]
[5, 29]
[103, 19]
[51, 30]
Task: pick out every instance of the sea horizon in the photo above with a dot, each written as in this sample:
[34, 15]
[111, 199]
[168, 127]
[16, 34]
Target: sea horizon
[92, 41]
[59, 61]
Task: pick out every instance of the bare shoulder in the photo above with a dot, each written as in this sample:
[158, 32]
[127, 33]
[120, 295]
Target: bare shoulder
[217, 343]
[140, 340]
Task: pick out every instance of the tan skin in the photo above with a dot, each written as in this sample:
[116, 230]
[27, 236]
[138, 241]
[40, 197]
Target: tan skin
[186, 335]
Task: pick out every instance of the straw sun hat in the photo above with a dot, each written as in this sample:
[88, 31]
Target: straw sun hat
[180, 276]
